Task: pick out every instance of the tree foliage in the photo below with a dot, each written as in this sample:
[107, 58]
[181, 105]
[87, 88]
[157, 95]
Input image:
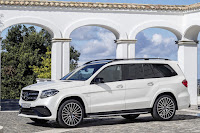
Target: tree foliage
[44, 71]
[22, 47]
[26, 56]
[74, 57]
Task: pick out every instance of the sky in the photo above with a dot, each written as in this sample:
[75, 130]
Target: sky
[98, 43]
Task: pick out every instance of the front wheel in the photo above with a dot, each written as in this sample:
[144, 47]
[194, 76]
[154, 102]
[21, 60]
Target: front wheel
[131, 116]
[164, 108]
[70, 113]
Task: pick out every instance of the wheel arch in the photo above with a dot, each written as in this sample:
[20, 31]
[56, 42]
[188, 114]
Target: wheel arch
[165, 93]
[78, 98]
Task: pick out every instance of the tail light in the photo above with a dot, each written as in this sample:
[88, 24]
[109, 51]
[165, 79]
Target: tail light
[185, 83]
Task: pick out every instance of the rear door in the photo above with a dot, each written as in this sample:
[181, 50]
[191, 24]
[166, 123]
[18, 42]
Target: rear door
[140, 81]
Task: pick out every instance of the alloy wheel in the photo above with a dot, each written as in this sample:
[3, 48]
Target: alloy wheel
[165, 107]
[72, 114]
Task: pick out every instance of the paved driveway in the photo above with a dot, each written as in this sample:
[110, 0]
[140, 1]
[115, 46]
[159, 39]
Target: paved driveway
[182, 122]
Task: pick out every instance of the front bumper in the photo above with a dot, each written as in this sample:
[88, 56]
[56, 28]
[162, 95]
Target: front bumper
[40, 111]
[40, 108]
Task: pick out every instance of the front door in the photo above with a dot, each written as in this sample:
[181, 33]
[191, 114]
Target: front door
[108, 96]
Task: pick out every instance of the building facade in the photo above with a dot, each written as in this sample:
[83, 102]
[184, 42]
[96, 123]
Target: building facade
[125, 21]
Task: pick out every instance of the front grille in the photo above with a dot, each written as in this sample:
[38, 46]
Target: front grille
[28, 95]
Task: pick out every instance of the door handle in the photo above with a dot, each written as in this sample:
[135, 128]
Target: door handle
[120, 86]
[150, 84]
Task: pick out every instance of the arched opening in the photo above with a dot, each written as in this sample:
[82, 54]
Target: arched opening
[94, 42]
[156, 43]
[192, 33]
[47, 25]
[175, 29]
[104, 23]
[25, 56]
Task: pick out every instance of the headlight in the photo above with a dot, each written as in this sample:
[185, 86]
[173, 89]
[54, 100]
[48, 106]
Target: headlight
[48, 93]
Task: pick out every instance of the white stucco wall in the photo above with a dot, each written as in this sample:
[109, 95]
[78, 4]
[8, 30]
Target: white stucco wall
[125, 24]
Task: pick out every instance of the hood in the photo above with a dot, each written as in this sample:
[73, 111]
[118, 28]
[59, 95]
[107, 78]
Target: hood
[57, 84]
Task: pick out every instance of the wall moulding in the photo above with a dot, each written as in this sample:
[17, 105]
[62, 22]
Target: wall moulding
[61, 39]
[128, 41]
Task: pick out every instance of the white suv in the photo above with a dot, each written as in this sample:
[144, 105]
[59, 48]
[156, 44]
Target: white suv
[109, 87]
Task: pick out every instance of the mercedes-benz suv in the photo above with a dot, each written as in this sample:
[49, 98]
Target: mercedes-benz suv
[109, 87]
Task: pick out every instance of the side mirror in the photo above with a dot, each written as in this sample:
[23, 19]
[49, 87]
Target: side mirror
[98, 80]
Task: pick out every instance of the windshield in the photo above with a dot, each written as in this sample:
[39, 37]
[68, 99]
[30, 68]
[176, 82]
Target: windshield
[84, 73]
[66, 76]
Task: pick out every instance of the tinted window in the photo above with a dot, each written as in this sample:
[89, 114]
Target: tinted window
[111, 73]
[157, 73]
[165, 69]
[133, 71]
[85, 73]
[148, 71]
[66, 76]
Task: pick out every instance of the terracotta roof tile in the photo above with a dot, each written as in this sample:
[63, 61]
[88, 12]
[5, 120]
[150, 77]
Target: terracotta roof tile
[99, 5]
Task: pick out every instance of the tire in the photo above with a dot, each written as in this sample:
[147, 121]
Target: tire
[70, 114]
[164, 108]
[131, 116]
[39, 121]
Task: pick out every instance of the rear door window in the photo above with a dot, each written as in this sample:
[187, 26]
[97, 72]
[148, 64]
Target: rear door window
[133, 71]
[148, 71]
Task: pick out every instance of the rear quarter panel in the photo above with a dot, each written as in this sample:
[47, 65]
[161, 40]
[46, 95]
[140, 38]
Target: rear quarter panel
[173, 85]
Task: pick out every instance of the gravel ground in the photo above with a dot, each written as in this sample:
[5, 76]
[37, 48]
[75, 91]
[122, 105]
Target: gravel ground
[13, 124]
[186, 122]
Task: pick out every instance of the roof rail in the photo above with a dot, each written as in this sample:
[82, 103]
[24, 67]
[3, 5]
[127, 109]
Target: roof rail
[112, 60]
[149, 58]
[100, 60]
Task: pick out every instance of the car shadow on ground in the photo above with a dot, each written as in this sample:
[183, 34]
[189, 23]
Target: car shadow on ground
[115, 121]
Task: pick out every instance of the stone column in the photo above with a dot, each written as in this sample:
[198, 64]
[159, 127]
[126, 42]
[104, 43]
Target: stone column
[56, 58]
[125, 48]
[187, 58]
[131, 49]
[0, 69]
[60, 57]
[66, 57]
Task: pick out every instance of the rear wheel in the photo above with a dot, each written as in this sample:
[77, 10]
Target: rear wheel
[70, 113]
[131, 116]
[39, 121]
[164, 108]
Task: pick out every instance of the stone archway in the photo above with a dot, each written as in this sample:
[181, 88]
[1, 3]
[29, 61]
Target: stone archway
[104, 23]
[192, 32]
[156, 24]
[47, 25]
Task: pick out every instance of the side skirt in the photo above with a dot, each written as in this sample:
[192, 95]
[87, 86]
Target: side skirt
[121, 112]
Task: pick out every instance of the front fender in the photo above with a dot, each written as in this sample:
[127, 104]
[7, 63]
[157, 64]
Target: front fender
[87, 110]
